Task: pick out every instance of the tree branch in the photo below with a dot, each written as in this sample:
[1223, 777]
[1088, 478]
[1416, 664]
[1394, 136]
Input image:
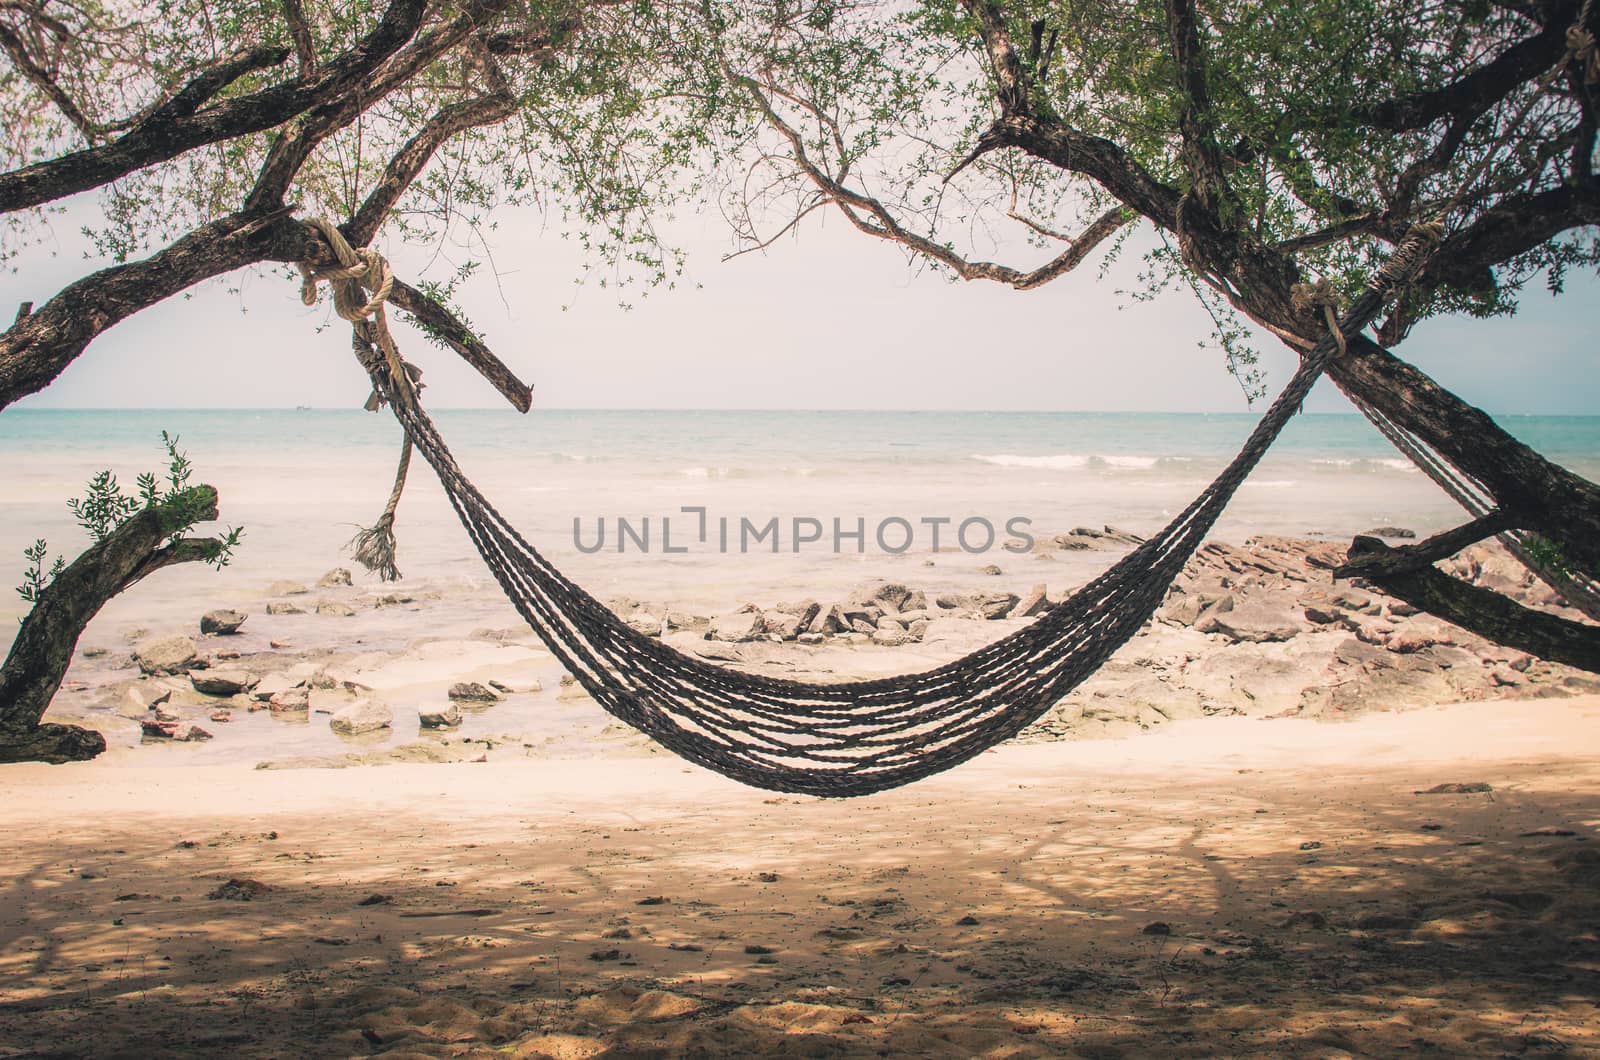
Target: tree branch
[178, 127]
[1476, 92]
[1483, 612]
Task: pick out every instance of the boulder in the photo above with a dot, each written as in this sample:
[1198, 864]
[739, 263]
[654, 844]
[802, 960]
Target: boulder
[271, 684]
[364, 715]
[395, 599]
[473, 692]
[290, 701]
[651, 625]
[284, 608]
[334, 608]
[222, 682]
[222, 623]
[739, 627]
[1034, 602]
[333, 579]
[783, 625]
[812, 638]
[917, 601]
[141, 698]
[828, 619]
[1397, 532]
[1252, 623]
[995, 605]
[445, 718]
[166, 655]
[886, 596]
[286, 589]
[889, 637]
[991, 570]
[160, 729]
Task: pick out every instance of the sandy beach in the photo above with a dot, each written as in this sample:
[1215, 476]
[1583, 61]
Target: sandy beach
[1226, 885]
[1290, 817]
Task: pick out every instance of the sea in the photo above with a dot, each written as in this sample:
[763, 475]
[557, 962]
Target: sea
[707, 509]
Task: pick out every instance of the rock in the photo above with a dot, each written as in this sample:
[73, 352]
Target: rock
[1253, 623]
[1352, 599]
[166, 655]
[1477, 787]
[812, 638]
[334, 608]
[828, 619]
[473, 692]
[1399, 532]
[1413, 639]
[1034, 602]
[447, 718]
[222, 623]
[1159, 927]
[146, 697]
[995, 605]
[804, 608]
[290, 701]
[336, 577]
[917, 630]
[222, 682]
[286, 589]
[739, 627]
[364, 715]
[395, 599]
[221, 715]
[271, 684]
[991, 570]
[1320, 617]
[886, 596]
[1505, 677]
[94, 652]
[889, 638]
[173, 730]
[645, 622]
[284, 609]
[240, 890]
[785, 626]
[684, 620]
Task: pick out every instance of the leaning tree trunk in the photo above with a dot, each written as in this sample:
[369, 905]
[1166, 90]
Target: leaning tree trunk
[49, 634]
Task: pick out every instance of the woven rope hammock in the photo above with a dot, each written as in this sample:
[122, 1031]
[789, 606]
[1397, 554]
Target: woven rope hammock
[839, 739]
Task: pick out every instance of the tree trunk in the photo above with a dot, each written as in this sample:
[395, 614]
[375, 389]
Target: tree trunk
[1480, 610]
[48, 636]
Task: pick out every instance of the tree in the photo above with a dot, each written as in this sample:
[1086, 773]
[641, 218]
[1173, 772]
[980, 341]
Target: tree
[1264, 145]
[133, 537]
[422, 116]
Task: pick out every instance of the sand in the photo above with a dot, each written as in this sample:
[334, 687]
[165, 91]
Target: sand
[1222, 886]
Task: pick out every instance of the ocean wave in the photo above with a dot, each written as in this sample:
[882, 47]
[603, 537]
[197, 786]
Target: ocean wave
[1364, 463]
[1070, 461]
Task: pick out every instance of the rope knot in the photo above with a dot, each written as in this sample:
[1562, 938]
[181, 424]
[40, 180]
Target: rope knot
[1314, 295]
[1321, 295]
[1419, 244]
[360, 269]
[1581, 44]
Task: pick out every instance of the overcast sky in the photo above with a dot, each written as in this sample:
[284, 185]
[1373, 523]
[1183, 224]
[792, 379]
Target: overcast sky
[829, 320]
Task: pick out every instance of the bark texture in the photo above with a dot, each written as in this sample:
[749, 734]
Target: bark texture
[49, 635]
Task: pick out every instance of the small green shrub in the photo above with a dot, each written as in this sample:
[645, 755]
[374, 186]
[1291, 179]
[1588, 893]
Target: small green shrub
[104, 507]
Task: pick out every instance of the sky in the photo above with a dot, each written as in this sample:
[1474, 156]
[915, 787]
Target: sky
[827, 319]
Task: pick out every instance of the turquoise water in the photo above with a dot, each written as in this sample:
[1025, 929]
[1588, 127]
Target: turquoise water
[753, 443]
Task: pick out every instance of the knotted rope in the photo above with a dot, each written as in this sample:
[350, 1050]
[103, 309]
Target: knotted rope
[359, 271]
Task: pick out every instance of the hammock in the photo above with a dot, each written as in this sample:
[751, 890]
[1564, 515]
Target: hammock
[828, 739]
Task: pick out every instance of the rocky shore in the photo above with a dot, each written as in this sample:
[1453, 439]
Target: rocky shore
[1259, 629]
